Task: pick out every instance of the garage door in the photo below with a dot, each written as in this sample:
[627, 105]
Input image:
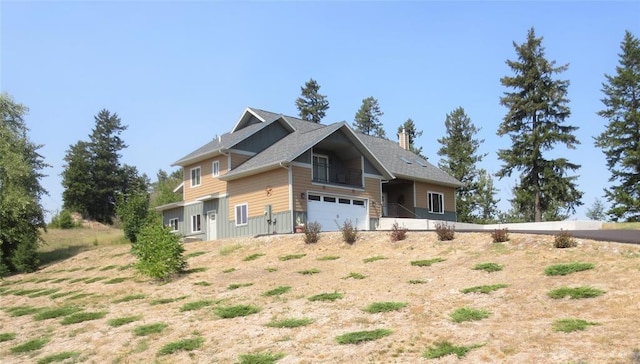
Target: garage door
[332, 211]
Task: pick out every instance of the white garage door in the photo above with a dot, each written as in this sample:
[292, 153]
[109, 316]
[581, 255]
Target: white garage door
[332, 211]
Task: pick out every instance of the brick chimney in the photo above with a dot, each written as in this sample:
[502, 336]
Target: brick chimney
[403, 138]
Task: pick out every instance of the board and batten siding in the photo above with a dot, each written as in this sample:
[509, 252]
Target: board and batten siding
[259, 190]
[423, 188]
[208, 183]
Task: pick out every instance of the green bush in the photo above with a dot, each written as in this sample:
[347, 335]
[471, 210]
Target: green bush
[445, 232]
[159, 251]
[398, 233]
[489, 267]
[236, 311]
[564, 269]
[133, 210]
[575, 293]
[312, 232]
[564, 240]
[500, 235]
[349, 232]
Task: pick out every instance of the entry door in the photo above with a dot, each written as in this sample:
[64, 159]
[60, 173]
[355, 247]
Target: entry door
[212, 232]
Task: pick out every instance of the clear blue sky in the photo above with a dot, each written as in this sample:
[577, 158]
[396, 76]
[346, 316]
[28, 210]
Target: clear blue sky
[179, 73]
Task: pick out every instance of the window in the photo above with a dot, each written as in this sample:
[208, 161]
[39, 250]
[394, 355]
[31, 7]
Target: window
[436, 202]
[320, 168]
[314, 198]
[173, 224]
[329, 199]
[241, 214]
[215, 168]
[195, 223]
[358, 202]
[195, 177]
[344, 201]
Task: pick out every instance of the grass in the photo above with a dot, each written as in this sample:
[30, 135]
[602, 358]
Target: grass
[260, 358]
[228, 249]
[144, 330]
[484, 289]
[416, 281]
[251, 257]
[21, 310]
[489, 267]
[79, 296]
[55, 313]
[468, 314]
[31, 345]
[7, 336]
[62, 294]
[194, 254]
[444, 348]
[26, 292]
[229, 270]
[362, 336]
[108, 267]
[308, 272]
[120, 321]
[326, 297]
[373, 259]
[571, 325]
[236, 311]
[202, 283]
[181, 345]
[291, 257]
[164, 301]
[78, 317]
[329, 257]
[94, 279]
[565, 269]
[239, 285]
[44, 293]
[196, 305]
[116, 280]
[575, 293]
[131, 297]
[427, 262]
[54, 358]
[195, 270]
[271, 269]
[377, 307]
[355, 275]
[277, 291]
[621, 226]
[290, 322]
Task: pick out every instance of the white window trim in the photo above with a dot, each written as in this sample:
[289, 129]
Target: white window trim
[430, 204]
[199, 176]
[193, 221]
[235, 209]
[326, 157]
[215, 171]
[171, 224]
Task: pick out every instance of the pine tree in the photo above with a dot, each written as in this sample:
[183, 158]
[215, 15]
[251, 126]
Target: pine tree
[596, 211]
[311, 104]
[459, 147]
[535, 123]
[21, 213]
[367, 119]
[485, 199]
[410, 127]
[162, 190]
[620, 142]
[76, 178]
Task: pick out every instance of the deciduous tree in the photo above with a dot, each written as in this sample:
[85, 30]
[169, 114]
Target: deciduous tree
[312, 105]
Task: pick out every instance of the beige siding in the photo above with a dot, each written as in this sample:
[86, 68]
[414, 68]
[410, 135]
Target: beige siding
[423, 188]
[208, 184]
[268, 188]
[237, 159]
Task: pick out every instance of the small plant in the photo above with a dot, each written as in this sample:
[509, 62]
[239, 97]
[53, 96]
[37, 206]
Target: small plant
[54, 358]
[120, 321]
[129, 298]
[229, 270]
[427, 262]
[238, 285]
[326, 297]
[76, 318]
[236, 311]
[21, 310]
[355, 275]
[564, 269]
[329, 257]
[378, 307]
[571, 325]
[195, 305]
[251, 257]
[489, 267]
[362, 336]
[7, 336]
[195, 270]
[484, 289]
[564, 240]
[228, 249]
[444, 348]
[261, 358]
[55, 313]
[312, 232]
[398, 233]
[575, 293]
[144, 330]
[162, 301]
[349, 232]
[290, 323]
[500, 235]
[194, 254]
[373, 259]
[271, 269]
[116, 280]
[416, 281]
[277, 291]
[445, 232]
[291, 256]
[468, 314]
[181, 345]
[202, 283]
[31, 345]
[308, 272]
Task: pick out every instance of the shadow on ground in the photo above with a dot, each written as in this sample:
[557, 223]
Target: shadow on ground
[60, 254]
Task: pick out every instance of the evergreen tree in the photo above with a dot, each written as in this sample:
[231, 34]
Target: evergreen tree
[162, 190]
[311, 104]
[535, 123]
[21, 213]
[459, 147]
[485, 199]
[620, 142]
[77, 179]
[410, 127]
[596, 211]
[367, 119]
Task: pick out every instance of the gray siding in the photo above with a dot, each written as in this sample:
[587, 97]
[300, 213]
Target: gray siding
[423, 213]
[369, 168]
[255, 226]
[177, 213]
[304, 157]
[263, 139]
[190, 210]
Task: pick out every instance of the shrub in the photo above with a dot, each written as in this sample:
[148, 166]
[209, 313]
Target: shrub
[564, 240]
[133, 210]
[500, 235]
[575, 293]
[468, 314]
[185, 344]
[236, 311]
[398, 233]
[290, 323]
[312, 232]
[159, 251]
[349, 232]
[444, 348]
[445, 232]
[63, 220]
[564, 269]
[378, 307]
[489, 267]
[571, 325]
[362, 336]
[260, 358]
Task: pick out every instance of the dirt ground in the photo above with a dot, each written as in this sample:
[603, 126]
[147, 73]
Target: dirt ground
[519, 329]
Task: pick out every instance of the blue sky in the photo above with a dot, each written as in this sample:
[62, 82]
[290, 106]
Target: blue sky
[179, 73]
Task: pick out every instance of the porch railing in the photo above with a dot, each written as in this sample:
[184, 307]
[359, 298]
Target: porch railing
[398, 210]
[337, 175]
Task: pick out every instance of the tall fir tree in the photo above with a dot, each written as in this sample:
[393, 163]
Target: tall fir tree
[459, 147]
[312, 105]
[410, 127]
[485, 199]
[162, 191]
[367, 119]
[620, 141]
[21, 212]
[76, 178]
[535, 122]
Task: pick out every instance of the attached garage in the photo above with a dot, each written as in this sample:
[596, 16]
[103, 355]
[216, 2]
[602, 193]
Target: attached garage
[332, 211]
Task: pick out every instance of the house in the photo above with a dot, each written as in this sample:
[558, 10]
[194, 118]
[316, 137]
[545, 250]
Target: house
[272, 171]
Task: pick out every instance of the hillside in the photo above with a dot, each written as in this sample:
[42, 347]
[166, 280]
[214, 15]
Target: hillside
[101, 283]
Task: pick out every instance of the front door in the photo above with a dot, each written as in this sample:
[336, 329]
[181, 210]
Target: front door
[212, 233]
